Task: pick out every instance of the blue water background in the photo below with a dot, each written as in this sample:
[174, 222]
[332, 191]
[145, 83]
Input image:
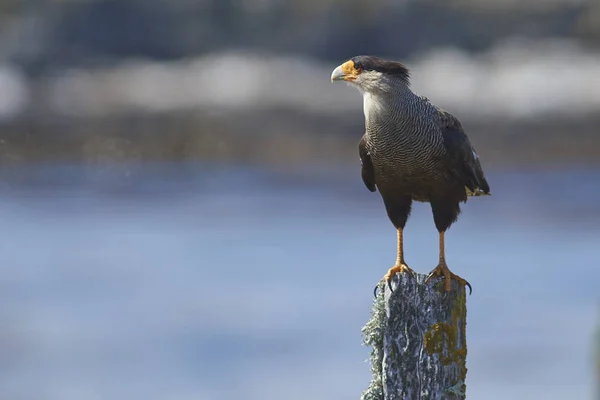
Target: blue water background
[188, 281]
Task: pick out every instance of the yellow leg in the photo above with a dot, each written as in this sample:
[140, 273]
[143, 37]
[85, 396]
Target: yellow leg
[400, 265]
[443, 270]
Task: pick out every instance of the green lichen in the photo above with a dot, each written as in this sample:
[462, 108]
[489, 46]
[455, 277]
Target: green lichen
[373, 336]
[442, 339]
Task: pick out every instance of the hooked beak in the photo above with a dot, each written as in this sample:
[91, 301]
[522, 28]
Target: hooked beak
[338, 74]
[345, 72]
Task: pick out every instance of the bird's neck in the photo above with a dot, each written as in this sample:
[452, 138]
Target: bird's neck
[397, 100]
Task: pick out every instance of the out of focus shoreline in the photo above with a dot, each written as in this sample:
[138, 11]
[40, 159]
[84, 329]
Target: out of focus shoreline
[518, 107]
[274, 137]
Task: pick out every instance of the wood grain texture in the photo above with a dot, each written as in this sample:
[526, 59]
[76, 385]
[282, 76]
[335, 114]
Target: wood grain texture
[417, 336]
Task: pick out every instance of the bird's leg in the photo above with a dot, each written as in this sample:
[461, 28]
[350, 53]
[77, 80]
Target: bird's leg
[443, 270]
[400, 265]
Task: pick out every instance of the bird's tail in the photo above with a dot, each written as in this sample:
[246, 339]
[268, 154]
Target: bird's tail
[480, 186]
[477, 192]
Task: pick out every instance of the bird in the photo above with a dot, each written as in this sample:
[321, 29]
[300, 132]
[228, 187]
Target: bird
[412, 150]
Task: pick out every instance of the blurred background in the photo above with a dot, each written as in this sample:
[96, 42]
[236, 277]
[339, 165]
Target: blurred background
[183, 215]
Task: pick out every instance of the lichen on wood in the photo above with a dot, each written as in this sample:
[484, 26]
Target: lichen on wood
[417, 339]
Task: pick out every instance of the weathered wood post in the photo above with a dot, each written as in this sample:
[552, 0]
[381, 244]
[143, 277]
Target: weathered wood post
[417, 336]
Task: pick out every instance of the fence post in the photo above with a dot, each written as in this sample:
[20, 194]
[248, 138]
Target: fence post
[418, 338]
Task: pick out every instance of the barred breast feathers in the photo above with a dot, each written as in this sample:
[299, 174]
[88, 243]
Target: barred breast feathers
[397, 113]
[407, 132]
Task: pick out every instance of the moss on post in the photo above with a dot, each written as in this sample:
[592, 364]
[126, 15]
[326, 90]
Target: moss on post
[418, 341]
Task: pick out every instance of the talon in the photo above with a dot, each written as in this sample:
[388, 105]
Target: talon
[443, 270]
[375, 290]
[397, 269]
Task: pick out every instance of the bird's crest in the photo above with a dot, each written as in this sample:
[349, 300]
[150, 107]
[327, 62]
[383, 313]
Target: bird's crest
[373, 63]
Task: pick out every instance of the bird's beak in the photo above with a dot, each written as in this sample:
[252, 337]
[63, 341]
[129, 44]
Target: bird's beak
[337, 74]
[345, 72]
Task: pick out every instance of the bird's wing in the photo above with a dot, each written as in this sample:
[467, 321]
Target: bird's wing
[461, 156]
[367, 171]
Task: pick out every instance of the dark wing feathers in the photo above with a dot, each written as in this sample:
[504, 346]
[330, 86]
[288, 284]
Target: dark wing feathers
[367, 171]
[461, 157]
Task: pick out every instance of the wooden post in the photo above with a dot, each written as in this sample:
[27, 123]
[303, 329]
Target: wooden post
[417, 336]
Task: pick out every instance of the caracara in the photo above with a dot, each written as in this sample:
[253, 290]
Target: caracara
[412, 150]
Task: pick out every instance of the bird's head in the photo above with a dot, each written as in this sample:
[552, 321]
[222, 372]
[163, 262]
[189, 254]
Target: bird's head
[370, 73]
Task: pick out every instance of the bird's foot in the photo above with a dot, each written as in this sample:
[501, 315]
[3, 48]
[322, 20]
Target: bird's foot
[396, 269]
[443, 270]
